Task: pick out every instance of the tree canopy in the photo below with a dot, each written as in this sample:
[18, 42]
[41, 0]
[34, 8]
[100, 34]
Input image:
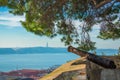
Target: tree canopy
[57, 17]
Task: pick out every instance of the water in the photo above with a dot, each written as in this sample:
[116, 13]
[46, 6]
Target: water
[10, 62]
[33, 61]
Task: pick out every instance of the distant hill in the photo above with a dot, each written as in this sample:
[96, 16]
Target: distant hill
[32, 50]
[7, 51]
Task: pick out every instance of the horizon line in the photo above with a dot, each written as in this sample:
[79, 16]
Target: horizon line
[49, 47]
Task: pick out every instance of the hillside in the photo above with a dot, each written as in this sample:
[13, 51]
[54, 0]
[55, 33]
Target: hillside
[7, 51]
[32, 50]
[68, 67]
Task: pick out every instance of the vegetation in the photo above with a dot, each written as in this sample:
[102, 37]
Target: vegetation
[119, 50]
[118, 54]
[68, 67]
[57, 17]
[52, 68]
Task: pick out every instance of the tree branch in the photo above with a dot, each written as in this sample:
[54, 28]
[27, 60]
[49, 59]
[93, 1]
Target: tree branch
[102, 3]
[94, 2]
[118, 0]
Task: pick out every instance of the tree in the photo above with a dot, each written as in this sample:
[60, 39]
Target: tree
[56, 17]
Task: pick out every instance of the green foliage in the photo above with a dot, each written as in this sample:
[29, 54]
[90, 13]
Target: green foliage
[117, 54]
[87, 46]
[56, 17]
[118, 51]
[109, 30]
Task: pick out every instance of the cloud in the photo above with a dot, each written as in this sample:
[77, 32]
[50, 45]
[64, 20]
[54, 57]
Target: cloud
[10, 20]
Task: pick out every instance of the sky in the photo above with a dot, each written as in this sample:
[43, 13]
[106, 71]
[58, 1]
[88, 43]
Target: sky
[13, 34]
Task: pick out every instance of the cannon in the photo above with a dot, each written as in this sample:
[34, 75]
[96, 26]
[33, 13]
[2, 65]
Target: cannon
[104, 62]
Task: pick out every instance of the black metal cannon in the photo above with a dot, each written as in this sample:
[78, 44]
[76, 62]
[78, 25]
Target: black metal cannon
[104, 62]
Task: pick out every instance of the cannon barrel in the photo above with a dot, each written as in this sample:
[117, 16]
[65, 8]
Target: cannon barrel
[104, 62]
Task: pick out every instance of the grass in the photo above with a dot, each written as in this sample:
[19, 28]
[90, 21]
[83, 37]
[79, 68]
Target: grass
[64, 68]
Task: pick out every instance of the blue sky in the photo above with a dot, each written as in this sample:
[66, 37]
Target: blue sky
[12, 34]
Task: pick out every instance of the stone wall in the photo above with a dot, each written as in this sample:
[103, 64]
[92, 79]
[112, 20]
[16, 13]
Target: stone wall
[96, 72]
[93, 71]
[110, 74]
